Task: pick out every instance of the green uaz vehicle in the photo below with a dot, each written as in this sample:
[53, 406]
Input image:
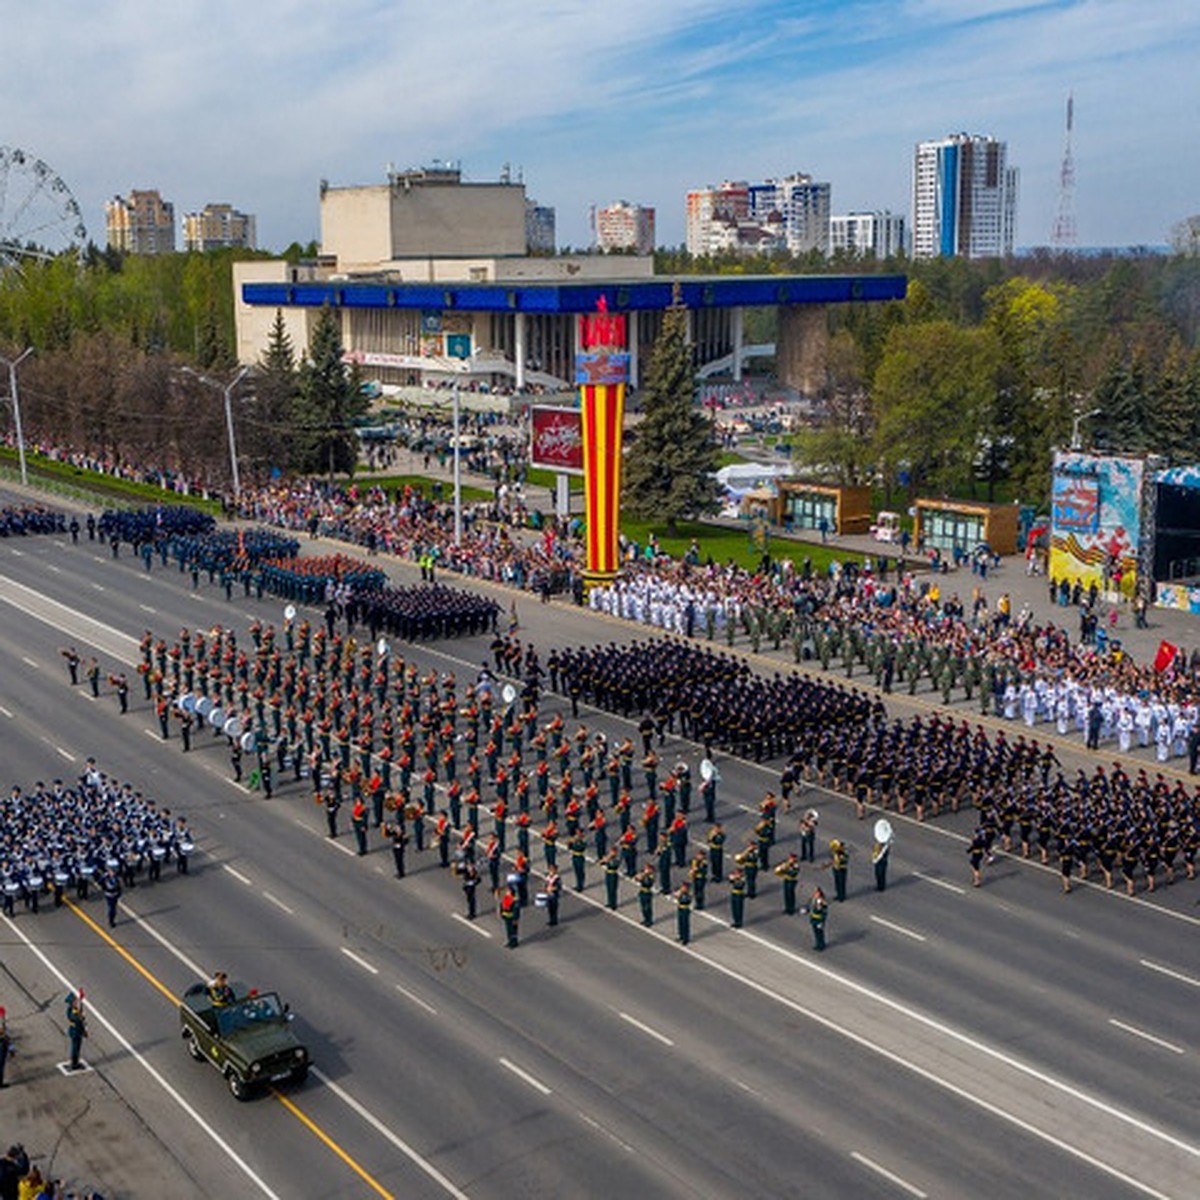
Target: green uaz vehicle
[249, 1039]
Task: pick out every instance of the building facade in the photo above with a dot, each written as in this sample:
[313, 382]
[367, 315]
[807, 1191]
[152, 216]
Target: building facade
[540, 233]
[878, 234]
[711, 213]
[140, 223]
[798, 207]
[624, 226]
[218, 227]
[964, 198]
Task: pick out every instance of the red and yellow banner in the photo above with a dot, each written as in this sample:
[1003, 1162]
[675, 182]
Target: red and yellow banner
[603, 407]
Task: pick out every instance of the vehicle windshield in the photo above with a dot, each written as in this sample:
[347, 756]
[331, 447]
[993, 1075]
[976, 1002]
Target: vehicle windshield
[247, 1013]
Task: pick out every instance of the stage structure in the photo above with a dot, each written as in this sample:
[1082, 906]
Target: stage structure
[601, 372]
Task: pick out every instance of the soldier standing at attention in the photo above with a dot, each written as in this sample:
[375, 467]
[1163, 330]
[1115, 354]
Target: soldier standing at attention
[553, 890]
[879, 858]
[612, 877]
[578, 848]
[683, 914]
[839, 860]
[818, 912]
[470, 884]
[358, 819]
[510, 914]
[76, 1028]
[789, 872]
[645, 881]
[399, 839]
[737, 897]
[698, 876]
[716, 852]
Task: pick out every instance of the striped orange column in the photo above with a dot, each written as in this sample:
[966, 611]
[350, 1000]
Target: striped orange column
[603, 407]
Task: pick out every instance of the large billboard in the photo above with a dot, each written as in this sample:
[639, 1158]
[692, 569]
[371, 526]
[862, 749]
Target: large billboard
[1096, 520]
[557, 439]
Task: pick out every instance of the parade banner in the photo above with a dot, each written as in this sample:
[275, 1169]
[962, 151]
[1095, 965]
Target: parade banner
[601, 371]
[556, 439]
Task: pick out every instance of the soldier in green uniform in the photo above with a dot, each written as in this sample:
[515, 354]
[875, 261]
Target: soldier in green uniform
[578, 847]
[683, 913]
[645, 881]
[737, 897]
[510, 914]
[698, 875]
[748, 861]
[839, 860]
[818, 912]
[612, 877]
[716, 852]
[663, 856]
[789, 872]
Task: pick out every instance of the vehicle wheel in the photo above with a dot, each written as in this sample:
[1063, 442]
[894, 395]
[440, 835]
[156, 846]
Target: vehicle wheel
[300, 1074]
[193, 1049]
[238, 1086]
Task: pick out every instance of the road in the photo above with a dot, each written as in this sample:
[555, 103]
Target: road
[1008, 1040]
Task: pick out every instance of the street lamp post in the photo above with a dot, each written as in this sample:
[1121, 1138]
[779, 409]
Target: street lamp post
[227, 391]
[1076, 443]
[457, 448]
[13, 364]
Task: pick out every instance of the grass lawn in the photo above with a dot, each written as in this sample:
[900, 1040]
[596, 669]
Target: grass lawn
[724, 542]
[423, 484]
[102, 489]
[540, 477]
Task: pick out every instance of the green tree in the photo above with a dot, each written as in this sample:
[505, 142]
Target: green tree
[933, 393]
[841, 444]
[328, 403]
[670, 468]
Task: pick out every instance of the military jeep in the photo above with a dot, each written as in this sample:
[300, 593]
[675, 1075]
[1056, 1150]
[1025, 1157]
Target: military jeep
[249, 1039]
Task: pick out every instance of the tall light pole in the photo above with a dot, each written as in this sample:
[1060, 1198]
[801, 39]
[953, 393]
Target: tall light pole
[457, 448]
[1076, 443]
[227, 390]
[13, 364]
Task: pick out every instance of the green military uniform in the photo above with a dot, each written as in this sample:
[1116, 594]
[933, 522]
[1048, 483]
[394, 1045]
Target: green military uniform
[818, 913]
[578, 848]
[612, 877]
[683, 914]
[737, 897]
[646, 895]
[789, 872]
[698, 874]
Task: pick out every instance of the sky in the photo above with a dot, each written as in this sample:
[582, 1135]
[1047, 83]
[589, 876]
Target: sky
[254, 103]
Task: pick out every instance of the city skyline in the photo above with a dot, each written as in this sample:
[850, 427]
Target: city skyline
[645, 100]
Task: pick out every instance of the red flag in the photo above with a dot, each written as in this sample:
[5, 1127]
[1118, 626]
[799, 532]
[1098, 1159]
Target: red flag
[1165, 656]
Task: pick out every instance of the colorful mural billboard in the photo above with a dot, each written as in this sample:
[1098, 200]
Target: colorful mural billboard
[557, 439]
[1095, 520]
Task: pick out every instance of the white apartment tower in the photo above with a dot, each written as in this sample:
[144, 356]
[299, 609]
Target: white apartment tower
[964, 198]
[878, 234]
[625, 226]
[800, 207]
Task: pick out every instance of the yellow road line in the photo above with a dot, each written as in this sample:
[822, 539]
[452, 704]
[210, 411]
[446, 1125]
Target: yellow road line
[291, 1107]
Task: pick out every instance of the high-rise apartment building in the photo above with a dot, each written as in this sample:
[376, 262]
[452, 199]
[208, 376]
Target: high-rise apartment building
[625, 226]
[711, 212]
[141, 223]
[878, 234]
[540, 237]
[218, 226]
[964, 198]
[802, 208]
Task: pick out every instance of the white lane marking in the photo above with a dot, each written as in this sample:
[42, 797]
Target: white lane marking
[151, 734]
[16, 552]
[1150, 966]
[415, 999]
[137, 1055]
[890, 1176]
[6, 712]
[60, 617]
[662, 1037]
[1149, 1037]
[278, 903]
[942, 883]
[908, 933]
[479, 929]
[344, 1096]
[146, 608]
[99, 586]
[238, 875]
[52, 567]
[607, 1132]
[339, 846]
[65, 753]
[536, 1084]
[362, 962]
[745, 1087]
[29, 662]
[98, 557]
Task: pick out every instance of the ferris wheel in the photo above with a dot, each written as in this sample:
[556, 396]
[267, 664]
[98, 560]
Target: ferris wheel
[39, 218]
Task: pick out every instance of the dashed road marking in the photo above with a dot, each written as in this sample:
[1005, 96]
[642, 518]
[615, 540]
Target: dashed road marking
[536, 1084]
[362, 962]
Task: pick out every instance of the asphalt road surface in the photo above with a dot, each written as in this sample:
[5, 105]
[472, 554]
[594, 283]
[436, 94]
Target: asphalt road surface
[1005, 1041]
